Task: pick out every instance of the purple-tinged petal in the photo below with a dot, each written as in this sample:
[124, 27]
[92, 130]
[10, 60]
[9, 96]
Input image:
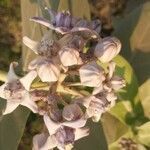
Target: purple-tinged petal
[11, 76]
[50, 143]
[51, 125]
[43, 21]
[97, 90]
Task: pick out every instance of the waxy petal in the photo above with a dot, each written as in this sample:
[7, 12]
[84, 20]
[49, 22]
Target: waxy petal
[50, 143]
[107, 49]
[33, 45]
[48, 72]
[10, 107]
[75, 124]
[27, 102]
[28, 79]
[38, 142]
[91, 75]
[80, 133]
[11, 76]
[69, 56]
[51, 125]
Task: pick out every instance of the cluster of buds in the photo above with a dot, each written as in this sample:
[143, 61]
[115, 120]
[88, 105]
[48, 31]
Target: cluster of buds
[72, 83]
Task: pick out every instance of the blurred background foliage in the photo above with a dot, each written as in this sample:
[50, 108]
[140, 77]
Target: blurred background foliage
[129, 20]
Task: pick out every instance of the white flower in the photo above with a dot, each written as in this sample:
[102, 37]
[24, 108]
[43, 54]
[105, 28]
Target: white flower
[107, 49]
[64, 23]
[98, 104]
[63, 138]
[46, 47]
[65, 131]
[91, 75]
[72, 115]
[15, 90]
[47, 69]
[69, 56]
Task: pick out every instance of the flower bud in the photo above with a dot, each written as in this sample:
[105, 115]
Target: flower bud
[107, 49]
[72, 112]
[91, 75]
[69, 56]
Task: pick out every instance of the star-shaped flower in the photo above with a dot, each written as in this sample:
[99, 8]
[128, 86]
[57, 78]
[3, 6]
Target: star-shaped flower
[15, 90]
[64, 23]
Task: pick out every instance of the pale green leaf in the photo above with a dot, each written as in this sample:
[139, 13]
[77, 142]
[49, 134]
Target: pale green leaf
[144, 134]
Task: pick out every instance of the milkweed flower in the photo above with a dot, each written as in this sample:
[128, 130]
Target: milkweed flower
[91, 74]
[16, 90]
[63, 130]
[64, 23]
[64, 137]
[107, 48]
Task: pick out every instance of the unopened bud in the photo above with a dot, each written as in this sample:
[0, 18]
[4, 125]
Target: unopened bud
[107, 49]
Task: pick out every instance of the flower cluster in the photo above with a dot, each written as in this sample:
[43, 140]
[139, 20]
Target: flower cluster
[77, 74]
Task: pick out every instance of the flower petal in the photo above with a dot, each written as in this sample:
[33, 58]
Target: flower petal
[11, 76]
[28, 79]
[97, 90]
[51, 125]
[91, 75]
[43, 21]
[27, 101]
[10, 107]
[69, 56]
[35, 63]
[33, 45]
[50, 143]
[75, 124]
[39, 140]
[2, 92]
[48, 72]
[107, 49]
[80, 133]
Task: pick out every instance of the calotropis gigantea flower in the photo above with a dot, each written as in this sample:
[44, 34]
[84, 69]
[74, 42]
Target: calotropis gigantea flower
[48, 70]
[69, 56]
[113, 82]
[47, 63]
[72, 116]
[64, 23]
[63, 138]
[15, 90]
[107, 49]
[47, 47]
[66, 129]
[91, 74]
[98, 104]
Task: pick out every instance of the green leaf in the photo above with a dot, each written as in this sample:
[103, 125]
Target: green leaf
[54, 4]
[95, 141]
[133, 30]
[113, 128]
[144, 134]
[12, 127]
[144, 93]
